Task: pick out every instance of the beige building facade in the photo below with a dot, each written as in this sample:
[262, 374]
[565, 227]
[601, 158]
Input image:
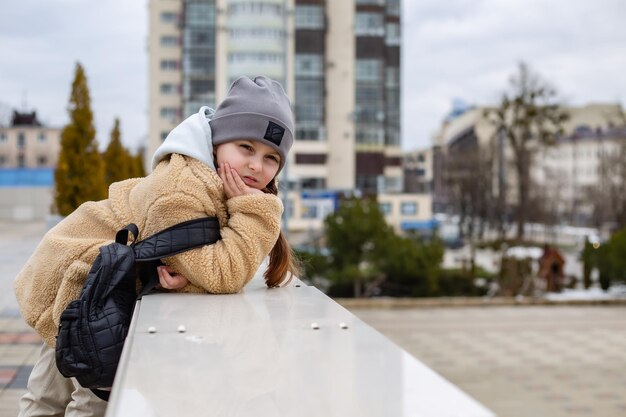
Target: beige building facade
[26, 143]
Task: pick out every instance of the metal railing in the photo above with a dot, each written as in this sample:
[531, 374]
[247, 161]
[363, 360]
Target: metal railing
[282, 352]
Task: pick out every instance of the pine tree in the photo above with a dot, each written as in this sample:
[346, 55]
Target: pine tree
[117, 160]
[79, 176]
[137, 168]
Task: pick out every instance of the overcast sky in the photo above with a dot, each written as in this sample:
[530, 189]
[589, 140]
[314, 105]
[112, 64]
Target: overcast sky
[454, 49]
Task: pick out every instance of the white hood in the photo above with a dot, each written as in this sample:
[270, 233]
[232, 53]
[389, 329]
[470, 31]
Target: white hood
[190, 138]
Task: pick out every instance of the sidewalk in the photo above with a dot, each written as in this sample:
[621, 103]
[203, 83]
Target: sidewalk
[520, 361]
[19, 344]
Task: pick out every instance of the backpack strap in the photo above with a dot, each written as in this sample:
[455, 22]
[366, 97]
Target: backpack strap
[122, 235]
[177, 239]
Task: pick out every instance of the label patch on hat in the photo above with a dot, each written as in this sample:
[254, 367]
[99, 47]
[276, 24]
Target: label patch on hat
[274, 133]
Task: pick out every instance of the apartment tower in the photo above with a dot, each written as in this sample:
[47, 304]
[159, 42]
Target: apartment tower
[339, 61]
[342, 57]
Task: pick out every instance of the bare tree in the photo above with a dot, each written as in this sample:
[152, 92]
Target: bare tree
[528, 117]
[608, 197]
[469, 180]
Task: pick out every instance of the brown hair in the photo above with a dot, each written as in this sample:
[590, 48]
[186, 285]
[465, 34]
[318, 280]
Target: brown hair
[282, 259]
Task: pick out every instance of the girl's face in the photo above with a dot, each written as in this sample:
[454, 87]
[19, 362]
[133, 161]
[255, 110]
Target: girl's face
[255, 162]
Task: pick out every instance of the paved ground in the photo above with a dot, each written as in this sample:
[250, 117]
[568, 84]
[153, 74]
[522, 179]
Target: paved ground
[524, 361]
[19, 345]
[529, 361]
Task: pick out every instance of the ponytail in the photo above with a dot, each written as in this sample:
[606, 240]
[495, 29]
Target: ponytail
[283, 261]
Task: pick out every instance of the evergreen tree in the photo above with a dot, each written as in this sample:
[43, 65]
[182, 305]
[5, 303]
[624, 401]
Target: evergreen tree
[118, 163]
[137, 169]
[356, 237]
[368, 256]
[79, 176]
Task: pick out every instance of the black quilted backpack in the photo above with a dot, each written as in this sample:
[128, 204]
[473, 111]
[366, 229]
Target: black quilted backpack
[93, 327]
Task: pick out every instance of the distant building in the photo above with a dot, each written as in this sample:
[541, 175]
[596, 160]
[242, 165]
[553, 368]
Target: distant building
[29, 152]
[27, 143]
[566, 170]
[418, 169]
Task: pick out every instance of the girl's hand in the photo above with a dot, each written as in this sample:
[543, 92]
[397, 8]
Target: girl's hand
[233, 184]
[169, 279]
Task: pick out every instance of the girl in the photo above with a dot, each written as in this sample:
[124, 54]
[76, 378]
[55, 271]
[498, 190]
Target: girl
[219, 163]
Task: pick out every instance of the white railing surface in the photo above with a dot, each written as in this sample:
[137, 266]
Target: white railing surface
[291, 352]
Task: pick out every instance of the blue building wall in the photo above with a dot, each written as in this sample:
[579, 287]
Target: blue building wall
[26, 177]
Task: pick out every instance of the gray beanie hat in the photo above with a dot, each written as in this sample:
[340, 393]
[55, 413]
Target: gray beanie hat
[258, 110]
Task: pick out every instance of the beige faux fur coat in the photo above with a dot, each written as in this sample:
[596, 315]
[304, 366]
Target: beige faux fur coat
[179, 189]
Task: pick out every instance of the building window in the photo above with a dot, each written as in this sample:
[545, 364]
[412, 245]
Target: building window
[168, 89]
[393, 184]
[309, 17]
[169, 17]
[202, 65]
[169, 65]
[255, 57]
[21, 140]
[392, 34]
[257, 33]
[311, 158]
[392, 77]
[20, 161]
[408, 208]
[385, 208]
[289, 209]
[309, 65]
[370, 134]
[393, 7]
[256, 8]
[309, 100]
[367, 183]
[369, 70]
[309, 211]
[3, 160]
[201, 87]
[202, 37]
[369, 24]
[199, 14]
[169, 41]
[41, 137]
[306, 131]
[169, 113]
[313, 183]
[3, 137]
[42, 161]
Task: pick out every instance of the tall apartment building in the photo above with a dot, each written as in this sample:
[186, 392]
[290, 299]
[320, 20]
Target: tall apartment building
[339, 61]
[347, 107]
[342, 57]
